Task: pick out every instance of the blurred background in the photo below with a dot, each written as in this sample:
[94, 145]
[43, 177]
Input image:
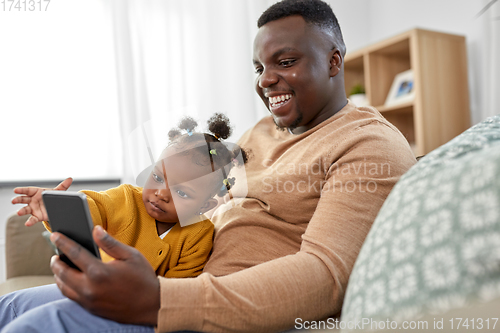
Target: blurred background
[80, 80]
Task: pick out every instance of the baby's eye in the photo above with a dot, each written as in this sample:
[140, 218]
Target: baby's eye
[258, 70]
[157, 178]
[182, 194]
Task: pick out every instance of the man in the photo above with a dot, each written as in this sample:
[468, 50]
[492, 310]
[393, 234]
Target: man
[320, 170]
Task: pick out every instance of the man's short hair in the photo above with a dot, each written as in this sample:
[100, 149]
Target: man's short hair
[314, 12]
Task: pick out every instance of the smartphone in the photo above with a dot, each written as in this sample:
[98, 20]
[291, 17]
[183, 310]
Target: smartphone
[69, 214]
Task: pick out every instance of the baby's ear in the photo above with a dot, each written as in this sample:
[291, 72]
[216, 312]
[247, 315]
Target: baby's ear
[209, 205]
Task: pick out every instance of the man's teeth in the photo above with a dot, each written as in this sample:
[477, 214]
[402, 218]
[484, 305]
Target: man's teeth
[278, 99]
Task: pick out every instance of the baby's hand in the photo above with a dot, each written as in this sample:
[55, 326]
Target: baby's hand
[32, 196]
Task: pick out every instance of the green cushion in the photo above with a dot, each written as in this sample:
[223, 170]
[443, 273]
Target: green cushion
[435, 244]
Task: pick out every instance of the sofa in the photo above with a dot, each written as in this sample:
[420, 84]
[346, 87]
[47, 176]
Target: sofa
[433, 252]
[432, 255]
[27, 253]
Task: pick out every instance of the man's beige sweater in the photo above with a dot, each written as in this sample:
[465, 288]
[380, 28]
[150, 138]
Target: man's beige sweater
[286, 251]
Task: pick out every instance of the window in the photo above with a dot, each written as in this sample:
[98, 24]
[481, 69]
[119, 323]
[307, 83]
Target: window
[58, 104]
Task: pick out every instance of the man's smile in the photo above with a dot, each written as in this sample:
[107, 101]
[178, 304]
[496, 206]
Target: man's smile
[278, 101]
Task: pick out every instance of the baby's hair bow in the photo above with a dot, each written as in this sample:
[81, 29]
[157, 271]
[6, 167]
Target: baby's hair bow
[225, 184]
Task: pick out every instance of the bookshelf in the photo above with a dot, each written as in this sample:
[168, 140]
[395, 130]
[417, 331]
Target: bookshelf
[440, 108]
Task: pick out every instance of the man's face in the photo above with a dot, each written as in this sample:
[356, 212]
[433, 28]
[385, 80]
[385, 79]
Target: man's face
[292, 62]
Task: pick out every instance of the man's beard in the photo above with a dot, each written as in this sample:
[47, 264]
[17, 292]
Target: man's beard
[292, 126]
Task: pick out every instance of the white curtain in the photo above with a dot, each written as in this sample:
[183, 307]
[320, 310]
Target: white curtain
[177, 58]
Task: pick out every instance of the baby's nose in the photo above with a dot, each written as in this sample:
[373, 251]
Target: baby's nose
[163, 193]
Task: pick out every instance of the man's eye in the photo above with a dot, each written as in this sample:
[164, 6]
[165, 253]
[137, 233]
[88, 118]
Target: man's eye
[287, 63]
[157, 178]
[182, 194]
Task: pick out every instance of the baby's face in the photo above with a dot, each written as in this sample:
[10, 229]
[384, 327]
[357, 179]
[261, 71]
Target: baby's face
[178, 189]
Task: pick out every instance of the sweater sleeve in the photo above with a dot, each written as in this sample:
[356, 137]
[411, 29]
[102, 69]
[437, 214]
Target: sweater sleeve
[311, 283]
[112, 209]
[195, 252]
[99, 204]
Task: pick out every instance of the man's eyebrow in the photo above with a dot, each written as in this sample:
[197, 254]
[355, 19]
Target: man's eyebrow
[283, 50]
[276, 54]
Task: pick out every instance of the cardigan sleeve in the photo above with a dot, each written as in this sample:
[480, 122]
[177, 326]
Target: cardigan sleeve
[310, 284]
[100, 205]
[113, 209]
[195, 252]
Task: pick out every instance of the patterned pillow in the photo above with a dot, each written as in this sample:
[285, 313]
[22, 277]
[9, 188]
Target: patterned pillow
[435, 244]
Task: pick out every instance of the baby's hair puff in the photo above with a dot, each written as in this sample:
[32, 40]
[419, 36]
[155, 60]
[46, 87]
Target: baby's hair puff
[215, 152]
[220, 126]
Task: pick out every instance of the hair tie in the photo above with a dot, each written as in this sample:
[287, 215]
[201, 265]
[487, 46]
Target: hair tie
[189, 132]
[225, 184]
[213, 152]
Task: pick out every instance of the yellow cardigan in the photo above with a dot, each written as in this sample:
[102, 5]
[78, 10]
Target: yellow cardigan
[120, 211]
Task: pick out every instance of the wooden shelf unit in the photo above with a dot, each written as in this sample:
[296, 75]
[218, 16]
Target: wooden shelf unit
[440, 109]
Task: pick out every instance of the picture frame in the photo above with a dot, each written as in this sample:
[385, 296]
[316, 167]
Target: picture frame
[402, 89]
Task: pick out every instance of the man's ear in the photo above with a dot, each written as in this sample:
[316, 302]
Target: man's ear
[336, 61]
[208, 205]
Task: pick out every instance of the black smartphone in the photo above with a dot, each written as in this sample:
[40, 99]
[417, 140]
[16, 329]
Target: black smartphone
[69, 214]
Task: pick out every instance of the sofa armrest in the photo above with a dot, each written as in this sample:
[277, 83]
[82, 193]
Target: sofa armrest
[27, 252]
[23, 282]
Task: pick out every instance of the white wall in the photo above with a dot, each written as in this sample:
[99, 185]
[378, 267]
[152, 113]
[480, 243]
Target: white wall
[387, 18]
[354, 19]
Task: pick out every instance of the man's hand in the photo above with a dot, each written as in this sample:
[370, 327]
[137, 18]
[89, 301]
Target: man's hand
[32, 196]
[125, 290]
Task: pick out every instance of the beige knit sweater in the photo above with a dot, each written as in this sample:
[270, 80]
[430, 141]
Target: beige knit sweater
[287, 250]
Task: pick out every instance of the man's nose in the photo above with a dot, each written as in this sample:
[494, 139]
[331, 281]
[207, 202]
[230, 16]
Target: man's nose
[267, 79]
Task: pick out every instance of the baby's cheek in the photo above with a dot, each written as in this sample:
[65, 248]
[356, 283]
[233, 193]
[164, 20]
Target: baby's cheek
[186, 211]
